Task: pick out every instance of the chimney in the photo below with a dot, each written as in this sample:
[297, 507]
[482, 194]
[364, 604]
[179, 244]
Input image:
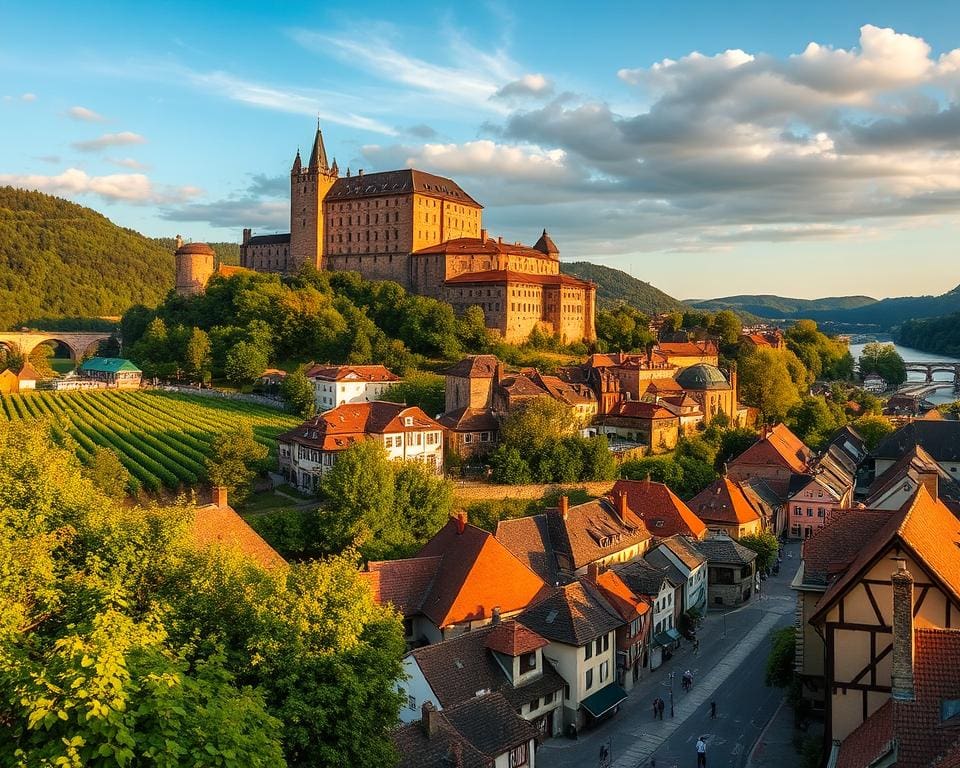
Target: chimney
[360, 173]
[220, 497]
[461, 521]
[178, 242]
[247, 233]
[495, 615]
[429, 719]
[564, 507]
[483, 235]
[500, 239]
[901, 682]
[931, 481]
[622, 506]
[456, 754]
[593, 571]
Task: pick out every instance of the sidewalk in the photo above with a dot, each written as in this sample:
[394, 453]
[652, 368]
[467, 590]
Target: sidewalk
[775, 748]
[727, 640]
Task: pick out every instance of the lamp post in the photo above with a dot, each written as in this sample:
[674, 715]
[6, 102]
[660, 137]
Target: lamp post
[672, 675]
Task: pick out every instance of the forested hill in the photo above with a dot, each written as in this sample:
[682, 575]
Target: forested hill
[769, 306]
[61, 259]
[615, 286]
[227, 253]
[939, 336]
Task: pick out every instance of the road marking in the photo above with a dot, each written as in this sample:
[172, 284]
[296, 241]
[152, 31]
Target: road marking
[640, 750]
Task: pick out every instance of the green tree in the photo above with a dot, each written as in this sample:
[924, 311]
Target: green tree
[697, 475]
[873, 429]
[509, 466]
[733, 442]
[765, 383]
[780, 662]
[245, 362]
[534, 424]
[422, 389]
[11, 358]
[107, 473]
[766, 546]
[885, 361]
[235, 459]
[297, 392]
[727, 326]
[660, 469]
[198, 357]
[423, 502]
[815, 419]
[359, 501]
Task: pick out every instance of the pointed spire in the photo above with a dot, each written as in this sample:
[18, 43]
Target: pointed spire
[297, 164]
[318, 156]
[546, 245]
[335, 169]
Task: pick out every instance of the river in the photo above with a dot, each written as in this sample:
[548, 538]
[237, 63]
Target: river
[945, 395]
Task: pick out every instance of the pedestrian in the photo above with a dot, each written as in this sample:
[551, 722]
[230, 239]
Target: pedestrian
[656, 706]
[660, 706]
[713, 710]
[701, 753]
[696, 646]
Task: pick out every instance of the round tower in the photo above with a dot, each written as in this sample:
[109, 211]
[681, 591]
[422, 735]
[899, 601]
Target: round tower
[196, 263]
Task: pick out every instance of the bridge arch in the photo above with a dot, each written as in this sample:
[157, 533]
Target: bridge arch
[76, 342]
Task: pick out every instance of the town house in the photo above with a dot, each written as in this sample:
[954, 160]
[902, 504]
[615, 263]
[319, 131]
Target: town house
[731, 575]
[776, 458]
[634, 636]
[334, 385]
[725, 508]
[655, 585]
[691, 566]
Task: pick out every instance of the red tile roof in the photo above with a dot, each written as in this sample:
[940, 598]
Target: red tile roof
[640, 409]
[663, 513]
[871, 739]
[341, 427]
[831, 549]
[465, 246]
[372, 373]
[476, 574]
[593, 531]
[629, 605]
[723, 501]
[781, 448]
[28, 372]
[508, 276]
[474, 366]
[687, 349]
[924, 527]
[402, 583]
[513, 639]
[223, 527]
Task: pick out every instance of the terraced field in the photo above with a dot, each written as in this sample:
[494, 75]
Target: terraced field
[161, 438]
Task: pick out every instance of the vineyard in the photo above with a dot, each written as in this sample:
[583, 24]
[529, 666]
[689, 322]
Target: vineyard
[161, 438]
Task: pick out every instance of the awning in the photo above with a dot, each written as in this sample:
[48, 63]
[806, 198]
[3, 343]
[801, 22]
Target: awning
[667, 637]
[604, 700]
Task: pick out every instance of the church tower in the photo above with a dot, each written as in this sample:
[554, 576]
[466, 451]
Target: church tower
[309, 186]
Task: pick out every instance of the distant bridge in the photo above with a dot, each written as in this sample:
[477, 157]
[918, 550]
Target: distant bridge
[79, 343]
[930, 368]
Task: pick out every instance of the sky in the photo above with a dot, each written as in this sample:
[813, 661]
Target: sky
[804, 149]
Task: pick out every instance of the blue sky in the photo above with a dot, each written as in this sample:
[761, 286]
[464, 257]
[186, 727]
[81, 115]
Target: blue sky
[709, 148]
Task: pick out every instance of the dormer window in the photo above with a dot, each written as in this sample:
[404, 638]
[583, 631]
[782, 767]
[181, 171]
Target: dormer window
[408, 421]
[528, 662]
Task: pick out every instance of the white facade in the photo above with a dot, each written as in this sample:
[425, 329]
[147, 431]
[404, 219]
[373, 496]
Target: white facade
[663, 607]
[586, 669]
[695, 589]
[328, 393]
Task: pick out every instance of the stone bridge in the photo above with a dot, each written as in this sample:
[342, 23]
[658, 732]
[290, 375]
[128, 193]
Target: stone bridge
[79, 343]
[930, 368]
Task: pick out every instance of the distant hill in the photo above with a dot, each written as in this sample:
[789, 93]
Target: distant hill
[775, 307]
[615, 286]
[61, 259]
[227, 253]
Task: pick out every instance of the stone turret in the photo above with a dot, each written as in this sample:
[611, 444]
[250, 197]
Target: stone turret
[195, 263]
[309, 186]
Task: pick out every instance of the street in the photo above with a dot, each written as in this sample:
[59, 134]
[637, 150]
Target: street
[728, 669]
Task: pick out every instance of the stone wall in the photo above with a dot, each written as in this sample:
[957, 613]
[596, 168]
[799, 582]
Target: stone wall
[468, 493]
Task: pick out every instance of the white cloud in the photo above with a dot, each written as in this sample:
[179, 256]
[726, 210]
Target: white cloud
[86, 115]
[128, 162]
[296, 101]
[124, 138]
[28, 97]
[121, 187]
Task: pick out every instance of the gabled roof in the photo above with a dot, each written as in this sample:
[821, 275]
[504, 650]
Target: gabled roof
[851, 443]
[684, 550]
[108, 365]
[28, 372]
[490, 724]
[341, 427]
[658, 559]
[922, 526]
[574, 614]
[222, 527]
[721, 549]
[470, 420]
[911, 466]
[687, 348]
[831, 549]
[404, 584]
[641, 409]
[472, 246]
[445, 749]
[405, 181]
[519, 384]
[627, 603]
[565, 392]
[644, 578]
[457, 669]
[780, 448]
[723, 501]
[476, 574]
[659, 508]
[528, 539]
[474, 366]
[527, 278]
[371, 373]
[592, 531]
[511, 638]
[761, 495]
[870, 740]
[941, 439]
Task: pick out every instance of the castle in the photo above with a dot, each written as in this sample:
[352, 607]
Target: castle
[425, 233]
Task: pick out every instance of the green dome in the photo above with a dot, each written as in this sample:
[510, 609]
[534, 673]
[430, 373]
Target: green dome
[702, 376]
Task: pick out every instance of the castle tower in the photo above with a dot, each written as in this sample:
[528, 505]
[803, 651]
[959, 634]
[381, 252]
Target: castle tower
[308, 187]
[195, 264]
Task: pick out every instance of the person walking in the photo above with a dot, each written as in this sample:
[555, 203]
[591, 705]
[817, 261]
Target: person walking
[656, 706]
[701, 753]
[713, 710]
[660, 706]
